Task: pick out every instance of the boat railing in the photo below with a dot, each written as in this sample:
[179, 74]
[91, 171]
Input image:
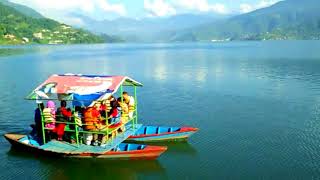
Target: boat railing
[105, 131]
[134, 120]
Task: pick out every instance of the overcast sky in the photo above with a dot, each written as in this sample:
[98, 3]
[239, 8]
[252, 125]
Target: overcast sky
[110, 9]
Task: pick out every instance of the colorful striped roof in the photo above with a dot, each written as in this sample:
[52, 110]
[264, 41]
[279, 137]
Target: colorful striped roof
[77, 87]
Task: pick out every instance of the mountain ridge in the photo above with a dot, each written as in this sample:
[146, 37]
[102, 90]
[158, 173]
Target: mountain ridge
[290, 19]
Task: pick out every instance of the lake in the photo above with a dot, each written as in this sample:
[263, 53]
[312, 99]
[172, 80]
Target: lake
[257, 105]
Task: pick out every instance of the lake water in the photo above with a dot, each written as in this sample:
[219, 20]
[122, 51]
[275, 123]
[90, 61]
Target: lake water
[257, 105]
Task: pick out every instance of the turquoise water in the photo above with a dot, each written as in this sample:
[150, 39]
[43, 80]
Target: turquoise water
[256, 103]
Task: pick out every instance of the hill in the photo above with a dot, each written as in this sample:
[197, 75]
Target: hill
[19, 28]
[290, 19]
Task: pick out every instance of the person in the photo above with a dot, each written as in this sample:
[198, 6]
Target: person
[62, 115]
[114, 114]
[101, 108]
[129, 100]
[37, 121]
[78, 113]
[106, 106]
[124, 110]
[114, 120]
[77, 118]
[91, 119]
[49, 114]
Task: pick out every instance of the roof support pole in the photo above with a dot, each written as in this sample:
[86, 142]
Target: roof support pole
[121, 91]
[76, 125]
[136, 104]
[42, 125]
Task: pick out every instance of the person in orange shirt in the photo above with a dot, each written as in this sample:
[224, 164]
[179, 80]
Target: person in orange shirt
[92, 123]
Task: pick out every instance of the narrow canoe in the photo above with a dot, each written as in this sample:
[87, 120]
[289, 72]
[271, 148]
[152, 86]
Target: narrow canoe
[161, 133]
[64, 149]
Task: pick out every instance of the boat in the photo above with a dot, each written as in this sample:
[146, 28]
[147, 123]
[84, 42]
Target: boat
[87, 91]
[161, 133]
[123, 151]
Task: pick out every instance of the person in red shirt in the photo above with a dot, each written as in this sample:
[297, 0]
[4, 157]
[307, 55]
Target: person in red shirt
[115, 113]
[63, 114]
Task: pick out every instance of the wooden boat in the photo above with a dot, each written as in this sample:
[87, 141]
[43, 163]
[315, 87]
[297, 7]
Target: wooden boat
[161, 133]
[87, 91]
[64, 149]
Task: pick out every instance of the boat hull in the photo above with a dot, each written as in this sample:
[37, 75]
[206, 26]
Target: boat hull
[148, 153]
[182, 134]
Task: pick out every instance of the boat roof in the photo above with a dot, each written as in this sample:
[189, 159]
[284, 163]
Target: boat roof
[78, 87]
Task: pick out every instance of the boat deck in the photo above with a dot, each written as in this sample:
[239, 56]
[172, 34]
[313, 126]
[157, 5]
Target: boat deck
[65, 147]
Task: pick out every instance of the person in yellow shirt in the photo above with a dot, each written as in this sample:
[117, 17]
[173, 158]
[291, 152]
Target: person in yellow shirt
[129, 100]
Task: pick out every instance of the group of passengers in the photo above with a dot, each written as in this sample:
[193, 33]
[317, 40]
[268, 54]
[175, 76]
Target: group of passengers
[111, 113]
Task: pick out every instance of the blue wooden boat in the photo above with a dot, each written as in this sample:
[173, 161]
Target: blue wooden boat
[64, 149]
[161, 133]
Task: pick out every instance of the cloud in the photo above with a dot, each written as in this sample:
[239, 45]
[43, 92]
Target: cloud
[201, 5]
[115, 8]
[50, 7]
[245, 8]
[158, 8]
[266, 3]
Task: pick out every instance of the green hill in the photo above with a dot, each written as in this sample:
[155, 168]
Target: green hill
[290, 19]
[19, 28]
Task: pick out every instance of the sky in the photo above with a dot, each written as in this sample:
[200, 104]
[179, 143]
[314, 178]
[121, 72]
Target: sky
[110, 9]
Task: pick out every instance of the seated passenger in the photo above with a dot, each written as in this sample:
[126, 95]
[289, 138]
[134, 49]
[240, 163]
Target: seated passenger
[78, 115]
[113, 118]
[91, 119]
[129, 100]
[49, 114]
[63, 115]
[101, 108]
[115, 113]
[124, 110]
[77, 118]
[106, 107]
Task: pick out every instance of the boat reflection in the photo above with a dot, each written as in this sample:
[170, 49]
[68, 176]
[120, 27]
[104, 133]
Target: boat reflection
[177, 147]
[72, 168]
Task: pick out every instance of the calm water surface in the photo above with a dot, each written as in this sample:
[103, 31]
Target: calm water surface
[257, 105]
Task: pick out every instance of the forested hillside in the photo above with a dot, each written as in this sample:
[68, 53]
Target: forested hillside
[18, 28]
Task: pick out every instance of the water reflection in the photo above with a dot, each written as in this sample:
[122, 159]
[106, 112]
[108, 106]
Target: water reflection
[182, 148]
[13, 51]
[201, 75]
[160, 72]
[159, 69]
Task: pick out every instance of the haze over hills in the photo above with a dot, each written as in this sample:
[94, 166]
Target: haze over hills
[154, 29]
[290, 19]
